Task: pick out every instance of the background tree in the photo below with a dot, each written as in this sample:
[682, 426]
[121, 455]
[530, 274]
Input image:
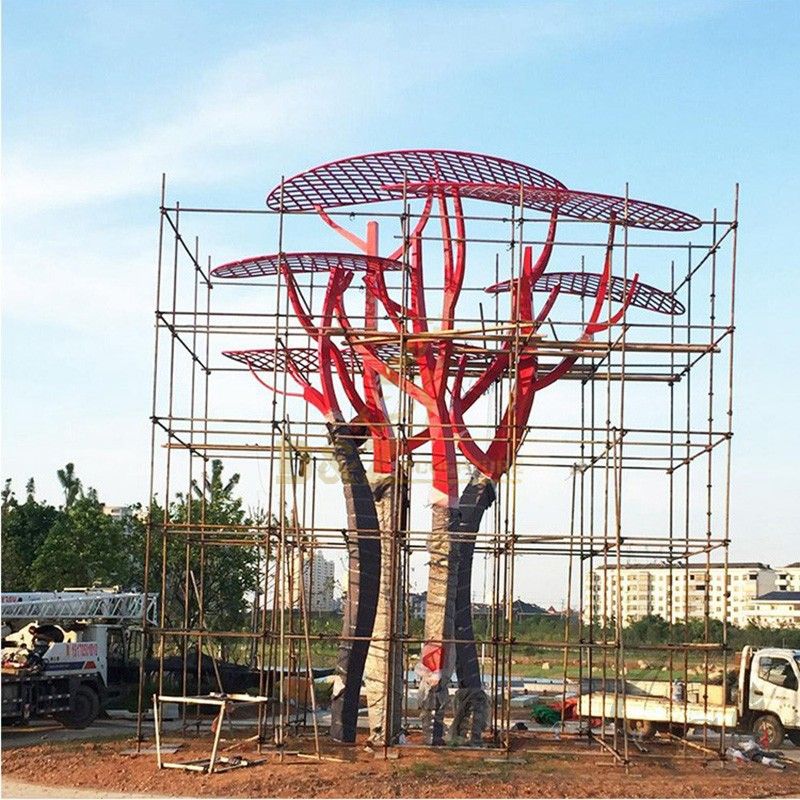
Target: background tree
[226, 576]
[229, 572]
[83, 547]
[12, 564]
[7, 494]
[70, 483]
[25, 527]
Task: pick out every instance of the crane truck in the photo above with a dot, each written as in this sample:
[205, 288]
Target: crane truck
[67, 654]
[764, 701]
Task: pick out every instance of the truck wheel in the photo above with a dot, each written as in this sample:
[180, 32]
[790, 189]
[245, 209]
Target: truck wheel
[768, 731]
[643, 728]
[85, 708]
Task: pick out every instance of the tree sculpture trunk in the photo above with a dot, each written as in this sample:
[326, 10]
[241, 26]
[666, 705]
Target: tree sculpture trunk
[383, 672]
[438, 653]
[437, 660]
[364, 559]
[471, 702]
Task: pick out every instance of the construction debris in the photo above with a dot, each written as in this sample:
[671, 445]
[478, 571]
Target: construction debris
[750, 750]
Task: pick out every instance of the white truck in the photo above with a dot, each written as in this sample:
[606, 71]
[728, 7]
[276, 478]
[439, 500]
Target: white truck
[66, 654]
[765, 702]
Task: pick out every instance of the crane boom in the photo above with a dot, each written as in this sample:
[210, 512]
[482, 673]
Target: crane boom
[88, 605]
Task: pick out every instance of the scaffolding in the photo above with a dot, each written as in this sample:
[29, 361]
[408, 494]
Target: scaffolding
[625, 457]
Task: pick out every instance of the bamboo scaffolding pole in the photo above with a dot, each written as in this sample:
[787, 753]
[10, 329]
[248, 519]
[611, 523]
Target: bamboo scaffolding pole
[602, 448]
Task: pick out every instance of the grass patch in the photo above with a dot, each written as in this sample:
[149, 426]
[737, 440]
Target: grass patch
[421, 768]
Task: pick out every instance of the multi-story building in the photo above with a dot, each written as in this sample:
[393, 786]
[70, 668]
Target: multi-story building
[788, 578]
[776, 610]
[321, 582]
[676, 592]
[318, 580]
[117, 512]
[417, 604]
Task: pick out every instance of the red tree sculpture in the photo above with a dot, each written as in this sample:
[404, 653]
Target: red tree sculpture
[439, 364]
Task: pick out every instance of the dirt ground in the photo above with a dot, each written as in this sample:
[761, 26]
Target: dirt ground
[534, 770]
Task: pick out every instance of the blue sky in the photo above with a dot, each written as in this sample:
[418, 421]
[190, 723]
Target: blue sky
[680, 99]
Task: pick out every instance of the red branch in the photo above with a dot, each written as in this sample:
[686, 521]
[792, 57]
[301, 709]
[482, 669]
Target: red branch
[508, 436]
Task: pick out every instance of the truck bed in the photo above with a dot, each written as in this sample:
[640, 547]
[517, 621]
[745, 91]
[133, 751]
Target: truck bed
[657, 709]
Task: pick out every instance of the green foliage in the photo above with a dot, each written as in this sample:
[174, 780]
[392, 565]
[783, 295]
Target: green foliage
[7, 494]
[765, 637]
[70, 483]
[543, 628]
[229, 572]
[14, 575]
[224, 575]
[655, 630]
[83, 547]
[45, 548]
[25, 527]
[651, 629]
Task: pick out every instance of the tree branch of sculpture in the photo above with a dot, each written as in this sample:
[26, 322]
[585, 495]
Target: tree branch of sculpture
[382, 659]
[433, 360]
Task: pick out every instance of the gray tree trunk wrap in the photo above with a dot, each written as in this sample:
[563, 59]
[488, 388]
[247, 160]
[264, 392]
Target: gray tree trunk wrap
[440, 617]
[384, 661]
[364, 558]
[471, 702]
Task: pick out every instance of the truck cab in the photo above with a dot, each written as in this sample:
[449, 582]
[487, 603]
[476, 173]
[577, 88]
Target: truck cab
[769, 694]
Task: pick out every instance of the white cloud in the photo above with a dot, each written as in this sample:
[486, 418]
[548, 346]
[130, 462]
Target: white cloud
[197, 145]
[80, 277]
[331, 79]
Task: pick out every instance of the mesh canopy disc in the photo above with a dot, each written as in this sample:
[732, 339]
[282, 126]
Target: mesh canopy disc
[363, 179]
[589, 206]
[587, 284]
[265, 266]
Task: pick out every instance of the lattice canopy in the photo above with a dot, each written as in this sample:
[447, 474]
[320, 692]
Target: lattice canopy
[589, 206]
[363, 179]
[305, 360]
[263, 266]
[587, 284]
[276, 359]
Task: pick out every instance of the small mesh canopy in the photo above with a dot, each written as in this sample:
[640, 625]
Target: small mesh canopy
[589, 206]
[305, 359]
[264, 266]
[587, 284]
[476, 359]
[362, 179]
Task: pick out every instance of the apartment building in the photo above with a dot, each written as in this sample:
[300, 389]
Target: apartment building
[319, 581]
[117, 512]
[788, 578]
[675, 592]
[417, 604]
[776, 610]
